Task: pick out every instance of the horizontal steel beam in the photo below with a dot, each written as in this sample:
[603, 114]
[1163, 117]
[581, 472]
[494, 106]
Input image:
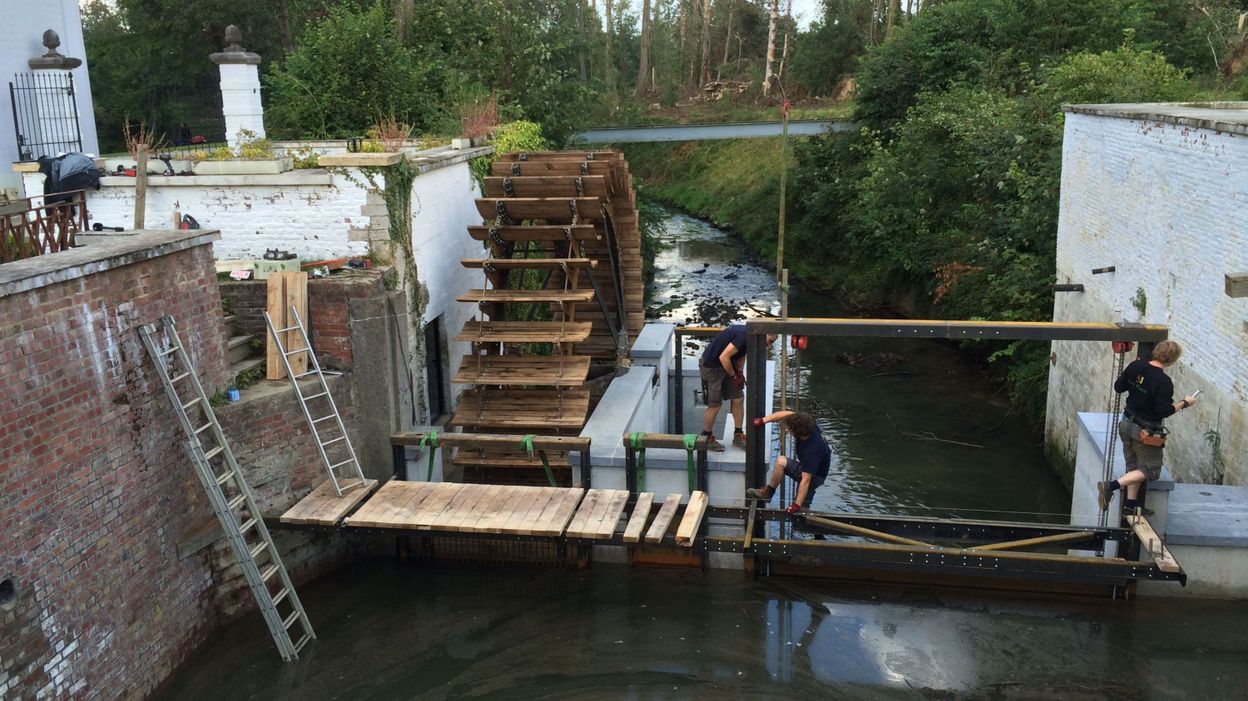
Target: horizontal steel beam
[970, 330]
[489, 441]
[710, 132]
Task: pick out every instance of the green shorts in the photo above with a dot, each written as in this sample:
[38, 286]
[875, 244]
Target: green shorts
[718, 386]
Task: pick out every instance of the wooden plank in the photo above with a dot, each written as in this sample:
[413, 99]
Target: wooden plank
[433, 507]
[536, 508]
[366, 515]
[537, 410]
[275, 305]
[520, 370]
[864, 532]
[516, 498]
[548, 168]
[546, 186]
[663, 519]
[404, 510]
[1237, 284]
[1153, 544]
[333, 508]
[576, 527]
[521, 511]
[1043, 540]
[462, 503]
[529, 296]
[536, 232]
[494, 495]
[548, 209]
[296, 286]
[641, 513]
[557, 522]
[528, 263]
[694, 513]
[605, 527]
[140, 184]
[493, 441]
[385, 504]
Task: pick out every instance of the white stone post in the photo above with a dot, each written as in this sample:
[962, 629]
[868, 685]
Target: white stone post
[56, 112]
[240, 88]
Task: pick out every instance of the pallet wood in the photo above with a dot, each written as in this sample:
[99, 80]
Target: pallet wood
[536, 232]
[530, 296]
[515, 459]
[558, 514]
[322, 506]
[548, 209]
[580, 521]
[528, 263]
[609, 516]
[524, 331]
[523, 370]
[546, 186]
[569, 167]
[537, 507]
[689, 525]
[663, 520]
[1153, 544]
[522, 409]
[637, 522]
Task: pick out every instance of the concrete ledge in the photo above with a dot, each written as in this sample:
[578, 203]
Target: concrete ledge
[1231, 117]
[360, 160]
[1092, 425]
[1210, 515]
[653, 341]
[101, 254]
[309, 176]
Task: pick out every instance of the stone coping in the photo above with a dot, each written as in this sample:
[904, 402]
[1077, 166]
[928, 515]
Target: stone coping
[653, 341]
[1092, 424]
[1229, 117]
[1208, 515]
[309, 176]
[103, 252]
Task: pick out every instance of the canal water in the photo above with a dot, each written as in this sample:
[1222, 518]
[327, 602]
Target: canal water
[915, 429]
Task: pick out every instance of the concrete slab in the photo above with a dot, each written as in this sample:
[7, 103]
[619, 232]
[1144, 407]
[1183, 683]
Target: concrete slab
[1209, 515]
[1229, 117]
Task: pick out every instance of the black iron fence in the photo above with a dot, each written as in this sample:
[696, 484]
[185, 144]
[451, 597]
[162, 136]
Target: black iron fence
[45, 114]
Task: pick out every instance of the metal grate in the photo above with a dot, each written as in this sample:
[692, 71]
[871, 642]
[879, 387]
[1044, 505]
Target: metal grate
[45, 114]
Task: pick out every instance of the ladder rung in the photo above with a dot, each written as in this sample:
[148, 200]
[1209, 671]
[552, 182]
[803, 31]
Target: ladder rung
[294, 616]
[330, 442]
[203, 428]
[315, 396]
[192, 403]
[323, 418]
[255, 552]
[222, 479]
[302, 375]
[214, 452]
[248, 525]
[171, 350]
[236, 502]
[288, 328]
[269, 573]
[344, 462]
[179, 378]
[297, 350]
[277, 598]
[302, 641]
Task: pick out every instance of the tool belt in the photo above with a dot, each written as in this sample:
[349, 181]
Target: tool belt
[1151, 433]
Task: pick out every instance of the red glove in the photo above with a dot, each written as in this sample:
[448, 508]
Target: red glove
[757, 422]
[738, 380]
[793, 508]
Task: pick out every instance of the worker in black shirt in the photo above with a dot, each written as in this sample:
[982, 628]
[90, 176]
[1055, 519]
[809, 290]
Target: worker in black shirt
[809, 467]
[722, 369]
[1150, 400]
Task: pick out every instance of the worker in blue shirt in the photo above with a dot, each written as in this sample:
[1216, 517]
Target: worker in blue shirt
[722, 369]
[808, 467]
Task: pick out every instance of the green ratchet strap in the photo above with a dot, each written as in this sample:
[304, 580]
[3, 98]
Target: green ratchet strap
[527, 443]
[690, 440]
[636, 442]
[430, 439]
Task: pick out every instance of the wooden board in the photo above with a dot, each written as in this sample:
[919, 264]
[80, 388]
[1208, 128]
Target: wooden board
[663, 519]
[556, 517]
[547, 209]
[530, 296]
[275, 304]
[537, 507]
[322, 506]
[641, 514]
[572, 167]
[543, 232]
[694, 513]
[524, 332]
[296, 285]
[576, 528]
[522, 409]
[553, 370]
[1237, 284]
[546, 186]
[527, 263]
[608, 517]
[1153, 544]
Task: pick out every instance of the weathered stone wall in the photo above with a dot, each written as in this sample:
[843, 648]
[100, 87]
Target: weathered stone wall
[1165, 205]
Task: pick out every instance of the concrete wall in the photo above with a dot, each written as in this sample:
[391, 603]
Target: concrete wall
[24, 24]
[1164, 203]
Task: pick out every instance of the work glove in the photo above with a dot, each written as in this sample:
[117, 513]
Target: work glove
[793, 509]
[739, 380]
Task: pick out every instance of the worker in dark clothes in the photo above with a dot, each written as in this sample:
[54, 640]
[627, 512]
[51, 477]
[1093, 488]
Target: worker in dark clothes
[1150, 400]
[722, 369]
[808, 467]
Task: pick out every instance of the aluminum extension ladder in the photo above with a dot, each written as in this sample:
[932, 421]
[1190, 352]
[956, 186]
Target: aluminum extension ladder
[228, 491]
[349, 463]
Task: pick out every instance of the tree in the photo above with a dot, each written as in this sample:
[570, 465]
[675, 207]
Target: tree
[643, 66]
[704, 74]
[609, 64]
[773, 19]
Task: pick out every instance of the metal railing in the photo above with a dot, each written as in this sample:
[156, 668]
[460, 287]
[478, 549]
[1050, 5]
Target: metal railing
[37, 227]
[45, 114]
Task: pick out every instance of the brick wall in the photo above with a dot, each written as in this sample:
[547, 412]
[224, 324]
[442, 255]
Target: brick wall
[96, 490]
[1164, 204]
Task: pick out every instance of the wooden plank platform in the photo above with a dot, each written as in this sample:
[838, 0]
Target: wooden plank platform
[537, 232]
[571, 167]
[546, 186]
[663, 519]
[521, 370]
[637, 522]
[531, 296]
[599, 514]
[694, 513]
[1153, 544]
[323, 507]
[542, 410]
[524, 331]
[548, 209]
[468, 508]
[527, 263]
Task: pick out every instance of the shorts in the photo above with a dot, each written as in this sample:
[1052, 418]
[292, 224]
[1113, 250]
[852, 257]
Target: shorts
[1138, 456]
[718, 386]
[793, 470]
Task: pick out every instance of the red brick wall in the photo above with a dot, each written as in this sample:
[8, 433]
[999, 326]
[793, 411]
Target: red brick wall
[97, 491]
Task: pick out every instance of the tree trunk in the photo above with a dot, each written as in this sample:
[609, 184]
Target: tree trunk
[788, 35]
[580, 33]
[643, 63]
[403, 11]
[283, 26]
[609, 67]
[727, 45]
[705, 74]
[877, 12]
[894, 9]
[774, 17]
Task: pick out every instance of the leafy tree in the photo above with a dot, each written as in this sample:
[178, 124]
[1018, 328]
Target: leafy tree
[829, 50]
[349, 69]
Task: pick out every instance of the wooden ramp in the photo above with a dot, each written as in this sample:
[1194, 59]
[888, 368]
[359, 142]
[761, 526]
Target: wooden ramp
[323, 507]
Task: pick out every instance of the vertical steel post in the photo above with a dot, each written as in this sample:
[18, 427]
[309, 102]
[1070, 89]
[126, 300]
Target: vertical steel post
[703, 470]
[756, 406]
[398, 454]
[585, 467]
[630, 469]
[678, 387]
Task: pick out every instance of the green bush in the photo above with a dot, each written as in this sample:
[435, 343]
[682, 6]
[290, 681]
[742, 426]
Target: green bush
[513, 136]
[349, 69]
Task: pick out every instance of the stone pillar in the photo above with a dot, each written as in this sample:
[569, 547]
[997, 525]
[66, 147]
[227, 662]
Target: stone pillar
[240, 88]
[53, 126]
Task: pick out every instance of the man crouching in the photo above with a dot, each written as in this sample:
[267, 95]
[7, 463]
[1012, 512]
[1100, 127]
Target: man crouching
[810, 466]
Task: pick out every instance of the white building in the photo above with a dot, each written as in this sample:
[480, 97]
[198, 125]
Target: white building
[1159, 192]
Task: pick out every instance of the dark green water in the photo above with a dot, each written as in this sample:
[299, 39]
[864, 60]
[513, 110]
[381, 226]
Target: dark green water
[395, 631]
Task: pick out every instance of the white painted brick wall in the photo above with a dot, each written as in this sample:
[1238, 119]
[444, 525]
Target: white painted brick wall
[1166, 205]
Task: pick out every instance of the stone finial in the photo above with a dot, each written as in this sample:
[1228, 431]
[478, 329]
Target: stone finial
[53, 59]
[234, 51]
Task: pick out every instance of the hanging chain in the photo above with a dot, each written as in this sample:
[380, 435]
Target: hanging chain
[1111, 435]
